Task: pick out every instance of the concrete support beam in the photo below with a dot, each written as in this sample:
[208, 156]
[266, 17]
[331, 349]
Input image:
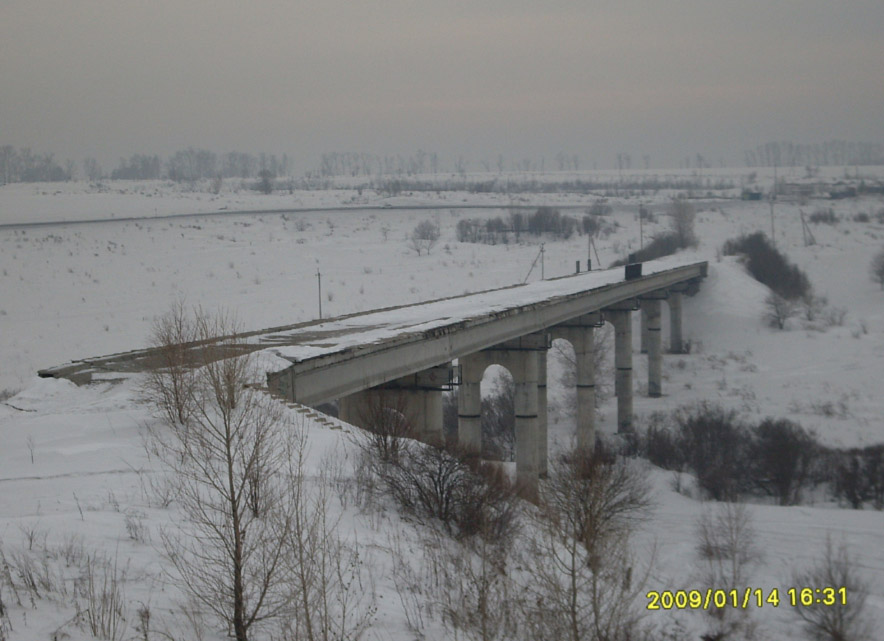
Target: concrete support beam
[469, 402]
[676, 343]
[622, 321]
[644, 330]
[651, 308]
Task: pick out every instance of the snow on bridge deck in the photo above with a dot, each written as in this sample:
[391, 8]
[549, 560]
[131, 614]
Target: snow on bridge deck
[324, 337]
[404, 340]
[297, 349]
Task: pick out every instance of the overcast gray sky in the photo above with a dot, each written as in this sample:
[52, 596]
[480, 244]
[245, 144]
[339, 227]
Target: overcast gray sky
[527, 79]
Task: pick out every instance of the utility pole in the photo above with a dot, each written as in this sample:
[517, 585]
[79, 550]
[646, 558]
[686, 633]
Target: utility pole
[542, 270]
[319, 282]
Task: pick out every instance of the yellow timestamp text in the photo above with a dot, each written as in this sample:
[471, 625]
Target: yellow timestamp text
[707, 598]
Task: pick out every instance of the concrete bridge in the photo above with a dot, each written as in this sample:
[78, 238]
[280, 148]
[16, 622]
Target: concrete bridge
[410, 354]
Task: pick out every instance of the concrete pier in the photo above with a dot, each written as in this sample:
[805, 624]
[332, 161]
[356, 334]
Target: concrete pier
[621, 318]
[469, 402]
[655, 357]
[676, 343]
[580, 333]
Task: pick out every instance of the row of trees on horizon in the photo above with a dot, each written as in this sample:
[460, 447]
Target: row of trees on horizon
[193, 164]
[185, 165]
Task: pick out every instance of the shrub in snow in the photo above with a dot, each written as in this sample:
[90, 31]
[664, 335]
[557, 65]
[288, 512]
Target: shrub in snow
[844, 618]
[778, 310]
[661, 446]
[824, 216]
[449, 487]
[782, 454]
[388, 424]
[548, 220]
[661, 245]
[859, 476]
[861, 217]
[770, 267]
[726, 546]
[715, 446]
[424, 237]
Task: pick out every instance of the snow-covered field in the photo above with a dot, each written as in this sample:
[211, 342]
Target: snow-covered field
[72, 465]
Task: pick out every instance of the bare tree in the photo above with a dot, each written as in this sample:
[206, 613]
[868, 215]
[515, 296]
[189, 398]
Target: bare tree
[778, 310]
[424, 237]
[682, 215]
[170, 381]
[475, 588]
[386, 417]
[230, 548]
[725, 544]
[498, 419]
[876, 268]
[581, 563]
[332, 594]
[91, 169]
[838, 613]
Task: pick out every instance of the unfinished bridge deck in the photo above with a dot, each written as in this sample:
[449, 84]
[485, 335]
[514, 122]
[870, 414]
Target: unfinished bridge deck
[320, 360]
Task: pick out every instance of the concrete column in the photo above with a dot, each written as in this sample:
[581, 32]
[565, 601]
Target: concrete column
[352, 408]
[622, 321]
[418, 407]
[644, 333]
[408, 402]
[676, 344]
[542, 417]
[433, 429]
[583, 345]
[525, 377]
[345, 409]
[655, 357]
[469, 403]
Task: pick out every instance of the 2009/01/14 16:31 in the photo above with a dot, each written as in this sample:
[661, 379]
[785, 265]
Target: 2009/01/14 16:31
[817, 596]
[742, 599]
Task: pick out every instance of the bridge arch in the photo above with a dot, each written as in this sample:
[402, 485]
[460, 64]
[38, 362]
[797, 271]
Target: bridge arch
[522, 358]
[497, 410]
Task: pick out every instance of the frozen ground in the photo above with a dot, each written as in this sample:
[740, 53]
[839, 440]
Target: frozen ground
[71, 461]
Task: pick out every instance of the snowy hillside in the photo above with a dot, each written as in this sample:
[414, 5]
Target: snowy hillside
[76, 480]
